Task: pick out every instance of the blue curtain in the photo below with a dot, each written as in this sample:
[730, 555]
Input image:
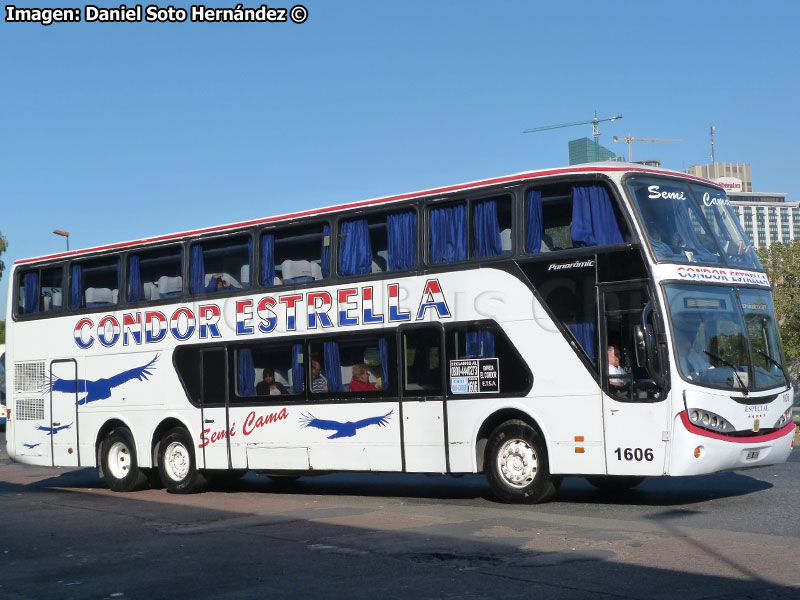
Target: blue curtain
[267, 259]
[594, 222]
[31, 300]
[197, 271]
[135, 287]
[326, 252]
[533, 227]
[486, 230]
[401, 231]
[75, 290]
[298, 375]
[246, 374]
[119, 276]
[480, 344]
[448, 231]
[333, 367]
[355, 249]
[383, 350]
[249, 264]
[584, 333]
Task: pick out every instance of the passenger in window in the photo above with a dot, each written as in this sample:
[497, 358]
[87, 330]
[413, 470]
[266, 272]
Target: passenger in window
[677, 243]
[662, 249]
[360, 381]
[218, 284]
[319, 384]
[268, 386]
[617, 376]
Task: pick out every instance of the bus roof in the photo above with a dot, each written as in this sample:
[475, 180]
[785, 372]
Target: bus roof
[602, 167]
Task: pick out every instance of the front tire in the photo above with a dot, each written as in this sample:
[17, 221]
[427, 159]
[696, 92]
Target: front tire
[176, 463]
[119, 462]
[516, 464]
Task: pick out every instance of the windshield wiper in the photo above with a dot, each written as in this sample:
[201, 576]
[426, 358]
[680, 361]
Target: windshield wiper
[776, 363]
[732, 366]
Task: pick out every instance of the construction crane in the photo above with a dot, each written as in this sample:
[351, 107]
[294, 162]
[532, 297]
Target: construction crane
[595, 129]
[630, 139]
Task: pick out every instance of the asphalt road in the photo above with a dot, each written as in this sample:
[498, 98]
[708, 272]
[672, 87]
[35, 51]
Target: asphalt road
[732, 535]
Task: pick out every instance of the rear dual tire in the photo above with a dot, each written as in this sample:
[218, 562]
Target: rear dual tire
[176, 463]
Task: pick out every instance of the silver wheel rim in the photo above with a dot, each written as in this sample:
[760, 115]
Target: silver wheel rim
[517, 463]
[177, 461]
[119, 460]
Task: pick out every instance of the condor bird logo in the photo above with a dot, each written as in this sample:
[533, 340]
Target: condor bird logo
[50, 430]
[340, 429]
[101, 388]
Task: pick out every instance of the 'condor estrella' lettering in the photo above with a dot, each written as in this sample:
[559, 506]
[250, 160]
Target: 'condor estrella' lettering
[432, 297]
[354, 306]
[108, 331]
[318, 304]
[182, 324]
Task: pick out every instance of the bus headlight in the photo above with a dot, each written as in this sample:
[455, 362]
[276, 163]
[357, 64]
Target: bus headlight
[709, 420]
[784, 419]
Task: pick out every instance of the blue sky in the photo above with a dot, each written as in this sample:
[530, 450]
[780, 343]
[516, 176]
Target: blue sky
[120, 131]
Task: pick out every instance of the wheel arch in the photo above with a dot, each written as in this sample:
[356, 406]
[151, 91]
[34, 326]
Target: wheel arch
[496, 419]
[102, 434]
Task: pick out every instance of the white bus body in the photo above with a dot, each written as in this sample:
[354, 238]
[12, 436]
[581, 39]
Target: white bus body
[158, 377]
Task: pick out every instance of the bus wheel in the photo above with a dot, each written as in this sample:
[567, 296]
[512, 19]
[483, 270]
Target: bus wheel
[176, 464]
[516, 464]
[614, 483]
[118, 460]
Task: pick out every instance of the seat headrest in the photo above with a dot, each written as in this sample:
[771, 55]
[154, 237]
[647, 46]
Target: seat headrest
[99, 295]
[168, 285]
[297, 268]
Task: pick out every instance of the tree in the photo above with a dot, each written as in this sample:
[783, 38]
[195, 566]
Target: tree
[782, 263]
[3, 247]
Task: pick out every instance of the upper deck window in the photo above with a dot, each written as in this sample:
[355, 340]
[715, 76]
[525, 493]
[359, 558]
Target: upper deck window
[221, 265]
[564, 216]
[295, 255]
[487, 232]
[94, 283]
[155, 274]
[40, 290]
[378, 243]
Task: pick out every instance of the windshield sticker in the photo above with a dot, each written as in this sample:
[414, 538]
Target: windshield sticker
[475, 376]
[716, 200]
[655, 192]
[754, 306]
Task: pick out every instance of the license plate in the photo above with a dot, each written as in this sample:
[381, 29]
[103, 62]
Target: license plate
[752, 455]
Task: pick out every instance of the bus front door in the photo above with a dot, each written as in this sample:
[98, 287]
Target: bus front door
[63, 432]
[635, 410]
[214, 438]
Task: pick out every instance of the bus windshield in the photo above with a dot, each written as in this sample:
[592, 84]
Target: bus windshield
[726, 338]
[691, 223]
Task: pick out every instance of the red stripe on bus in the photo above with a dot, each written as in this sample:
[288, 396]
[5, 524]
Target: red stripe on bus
[755, 439]
[360, 204]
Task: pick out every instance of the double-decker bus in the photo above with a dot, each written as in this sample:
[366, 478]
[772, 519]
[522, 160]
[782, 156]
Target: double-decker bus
[607, 321]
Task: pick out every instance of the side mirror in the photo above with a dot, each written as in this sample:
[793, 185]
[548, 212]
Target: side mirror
[647, 355]
[640, 342]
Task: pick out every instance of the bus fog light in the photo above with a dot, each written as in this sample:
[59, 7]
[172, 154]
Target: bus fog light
[695, 416]
[698, 452]
[706, 419]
